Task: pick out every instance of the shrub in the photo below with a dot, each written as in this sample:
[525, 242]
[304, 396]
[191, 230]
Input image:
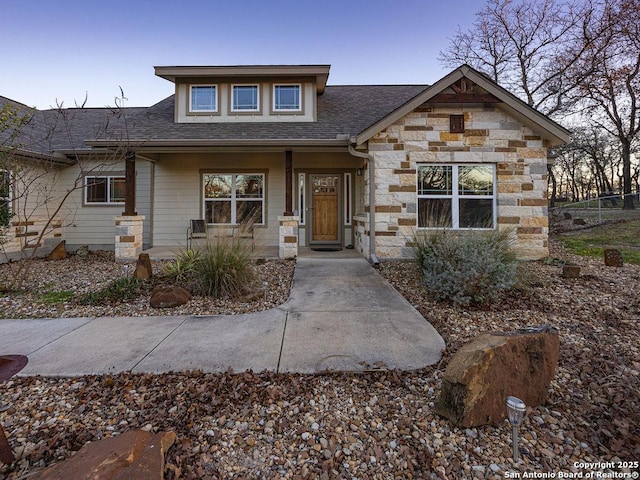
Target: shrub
[220, 268]
[466, 267]
[123, 288]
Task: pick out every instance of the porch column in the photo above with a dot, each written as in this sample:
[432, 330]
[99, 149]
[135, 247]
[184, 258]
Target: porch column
[129, 225]
[130, 184]
[288, 181]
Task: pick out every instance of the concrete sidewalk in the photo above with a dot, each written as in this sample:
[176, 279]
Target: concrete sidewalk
[341, 315]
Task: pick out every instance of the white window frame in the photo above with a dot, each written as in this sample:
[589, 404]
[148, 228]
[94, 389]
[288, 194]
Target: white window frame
[275, 106]
[234, 108]
[108, 179]
[456, 196]
[215, 97]
[233, 199]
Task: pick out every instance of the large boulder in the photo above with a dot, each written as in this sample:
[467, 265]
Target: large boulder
[134, 454]
[485, 371]
[613, 257]
[59, 252]
[168, 297]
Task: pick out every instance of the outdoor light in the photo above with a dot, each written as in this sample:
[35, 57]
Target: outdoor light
[515, 411]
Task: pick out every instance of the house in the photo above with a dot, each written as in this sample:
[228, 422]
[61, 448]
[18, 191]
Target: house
[362, 166]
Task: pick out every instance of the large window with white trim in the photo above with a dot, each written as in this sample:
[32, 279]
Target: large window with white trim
[104, 190]
[456, 196]
[233, 198]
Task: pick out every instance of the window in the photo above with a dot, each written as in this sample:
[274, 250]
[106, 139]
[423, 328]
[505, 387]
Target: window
[5, 198]
[456, 196]
[233, 198]
[204, 98]
[104, 190]
[245, 98]
[286, 98]
[456, 124]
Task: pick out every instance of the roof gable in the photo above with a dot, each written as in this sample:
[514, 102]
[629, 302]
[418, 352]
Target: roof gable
[466, 85]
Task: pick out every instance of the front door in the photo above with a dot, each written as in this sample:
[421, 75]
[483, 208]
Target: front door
[325, 208]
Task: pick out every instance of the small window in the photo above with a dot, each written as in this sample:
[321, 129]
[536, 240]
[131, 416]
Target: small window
[204, 98]
[104, 190]
[456, 124]
[286, 98]
[246, 98]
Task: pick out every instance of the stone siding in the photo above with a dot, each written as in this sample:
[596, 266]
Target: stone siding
[23, 235]
[490, 137]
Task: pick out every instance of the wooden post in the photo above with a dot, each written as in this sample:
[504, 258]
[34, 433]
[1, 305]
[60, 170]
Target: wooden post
[288, 198]
[130, 185]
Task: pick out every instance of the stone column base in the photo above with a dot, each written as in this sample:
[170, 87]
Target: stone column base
[129, 231]
[288, 236]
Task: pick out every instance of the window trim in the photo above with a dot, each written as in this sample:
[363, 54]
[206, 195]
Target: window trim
[234, 110]
[191, 111]
[278, 111]
[8, 200]
[108, 190]
[455, 196]
[233, 199]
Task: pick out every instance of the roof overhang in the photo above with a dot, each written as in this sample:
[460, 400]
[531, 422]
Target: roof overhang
[318, 73]
[170, 145]
[553, 132]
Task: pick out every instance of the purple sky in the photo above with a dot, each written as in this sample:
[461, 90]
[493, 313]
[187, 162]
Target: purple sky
[56, 50]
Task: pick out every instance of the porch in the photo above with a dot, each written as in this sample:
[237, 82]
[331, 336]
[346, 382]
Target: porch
[266, 252]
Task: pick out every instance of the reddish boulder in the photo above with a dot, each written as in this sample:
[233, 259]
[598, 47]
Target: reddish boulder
[485, 371]
[613, 257]
[134, 454]
[143, 269]
[168, 297]
[59, 252]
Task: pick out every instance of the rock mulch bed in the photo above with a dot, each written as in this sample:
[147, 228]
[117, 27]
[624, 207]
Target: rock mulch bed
[80, 275]
[376, 425]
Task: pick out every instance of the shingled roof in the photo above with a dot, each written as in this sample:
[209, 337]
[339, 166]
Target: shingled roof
[343, 111]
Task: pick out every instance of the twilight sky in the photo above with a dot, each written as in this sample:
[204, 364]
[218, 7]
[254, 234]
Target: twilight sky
[58, 50]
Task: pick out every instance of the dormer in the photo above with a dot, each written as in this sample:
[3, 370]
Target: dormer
[256, 93]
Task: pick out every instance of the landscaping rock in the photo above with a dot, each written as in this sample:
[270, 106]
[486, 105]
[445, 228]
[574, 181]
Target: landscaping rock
[613, 257]
[567, 216]
[493, 366]
[571, 271]
[168, 297]
[134, 454]
[59, 252]
[579, 221]
[83, 251]
[143, 269]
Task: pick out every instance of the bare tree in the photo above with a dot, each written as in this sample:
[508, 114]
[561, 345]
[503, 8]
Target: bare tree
[527, 46]
[41, 183]
[612, 91]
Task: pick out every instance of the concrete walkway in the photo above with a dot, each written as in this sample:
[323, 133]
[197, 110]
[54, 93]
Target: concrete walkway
[341, 315]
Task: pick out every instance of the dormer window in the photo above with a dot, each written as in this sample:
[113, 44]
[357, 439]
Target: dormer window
[245, 98]
[286, 98]
[203, 98]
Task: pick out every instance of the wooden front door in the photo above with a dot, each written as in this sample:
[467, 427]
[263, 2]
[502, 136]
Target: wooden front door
[325, 214]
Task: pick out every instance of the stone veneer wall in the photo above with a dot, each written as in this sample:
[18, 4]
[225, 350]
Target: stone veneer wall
[24, 234]
[491, 137]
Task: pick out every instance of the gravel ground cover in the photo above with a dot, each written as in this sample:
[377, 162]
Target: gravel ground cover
[376, 425]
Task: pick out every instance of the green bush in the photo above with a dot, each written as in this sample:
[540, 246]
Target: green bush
[220, 268]
[465, 267]
[123, 288]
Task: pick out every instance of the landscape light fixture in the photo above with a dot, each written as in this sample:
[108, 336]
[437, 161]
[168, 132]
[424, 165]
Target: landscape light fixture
[515, 412]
